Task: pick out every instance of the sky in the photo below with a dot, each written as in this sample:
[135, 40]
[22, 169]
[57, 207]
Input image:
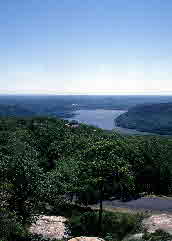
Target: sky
[86, 47]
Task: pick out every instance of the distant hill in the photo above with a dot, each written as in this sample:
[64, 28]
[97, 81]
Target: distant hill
[155, 118]
[28, 110]
[14, 110]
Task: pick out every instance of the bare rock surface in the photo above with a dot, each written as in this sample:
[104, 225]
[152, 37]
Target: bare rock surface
[162, 221]
[86, 239]
[153, 223]
[54, 227]
[50, 227]
[137, 236]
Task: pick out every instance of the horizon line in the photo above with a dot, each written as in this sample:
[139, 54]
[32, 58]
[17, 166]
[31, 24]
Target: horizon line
[89, 94]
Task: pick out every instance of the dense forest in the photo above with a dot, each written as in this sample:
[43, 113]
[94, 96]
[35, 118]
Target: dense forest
[48, 160]
[155, 118]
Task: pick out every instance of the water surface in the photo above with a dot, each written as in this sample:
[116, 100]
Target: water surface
[104, 119]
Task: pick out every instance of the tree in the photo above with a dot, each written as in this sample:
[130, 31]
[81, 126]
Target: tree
[157, 156]
[100, 163]
[21, 169]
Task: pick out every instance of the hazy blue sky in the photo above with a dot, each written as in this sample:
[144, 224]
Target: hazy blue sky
[86, 46]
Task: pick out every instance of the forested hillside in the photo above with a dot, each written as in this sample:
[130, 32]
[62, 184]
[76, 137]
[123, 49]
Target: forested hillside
[155, 118]
[46, 160]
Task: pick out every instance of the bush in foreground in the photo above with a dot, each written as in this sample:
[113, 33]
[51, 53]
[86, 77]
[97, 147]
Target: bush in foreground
[159, 235]
[115, 226]
[10, 226]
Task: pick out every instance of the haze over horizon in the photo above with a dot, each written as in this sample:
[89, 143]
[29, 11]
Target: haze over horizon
[86, 47]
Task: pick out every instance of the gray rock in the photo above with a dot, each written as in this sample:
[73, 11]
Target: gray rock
[86, 239]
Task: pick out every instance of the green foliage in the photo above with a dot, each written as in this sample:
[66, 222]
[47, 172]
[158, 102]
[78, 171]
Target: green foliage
[159, 235]
[20, 169]
[100, 164]
[44, 160]
[10, 226]
[114, 225]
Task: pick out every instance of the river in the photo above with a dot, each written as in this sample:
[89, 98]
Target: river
[104, 119]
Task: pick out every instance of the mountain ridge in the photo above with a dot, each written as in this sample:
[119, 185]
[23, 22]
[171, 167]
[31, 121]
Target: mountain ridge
[154, 118]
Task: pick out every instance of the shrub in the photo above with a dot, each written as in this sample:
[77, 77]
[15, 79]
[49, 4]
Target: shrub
[114, 225]
[159, 235]
[10, 226]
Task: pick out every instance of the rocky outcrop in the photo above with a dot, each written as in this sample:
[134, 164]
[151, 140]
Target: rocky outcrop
[162, 221]
[52, 227]
[86, 239]
[153, 223]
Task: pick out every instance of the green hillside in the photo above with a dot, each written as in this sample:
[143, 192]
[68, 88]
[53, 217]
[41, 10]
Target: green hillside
[155, 118]
[48, 161]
